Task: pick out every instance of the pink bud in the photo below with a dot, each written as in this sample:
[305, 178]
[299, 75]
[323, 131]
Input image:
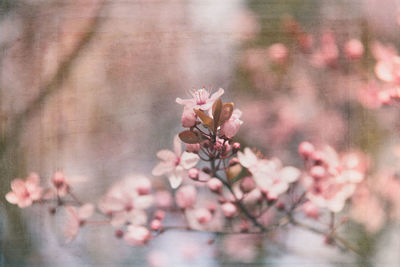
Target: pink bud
[317, 172]
[163, 199]
[203, 216]
[159, 214]
[247, 184]
[306, 149]
[119, 233]
[194, 148]
[354, 49]
[59, 179]
[214, 185]
[231, 126]
[188, 117]
[229, 210]
[311, 210]
[155, 225]
[143, 186]
[244, 226]
[193, 173]
[236, 147]
[186, 196]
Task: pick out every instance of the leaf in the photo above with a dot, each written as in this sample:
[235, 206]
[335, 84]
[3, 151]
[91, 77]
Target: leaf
[226, 112]
[216, 109]
[189, 137]
[208, 121]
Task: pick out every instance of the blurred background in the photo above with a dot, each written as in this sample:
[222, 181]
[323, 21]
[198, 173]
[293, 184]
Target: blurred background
[88, 87]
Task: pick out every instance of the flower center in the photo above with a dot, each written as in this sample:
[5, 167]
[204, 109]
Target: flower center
[201, 96]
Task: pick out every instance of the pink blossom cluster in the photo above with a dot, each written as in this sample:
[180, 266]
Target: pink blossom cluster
[215, 184]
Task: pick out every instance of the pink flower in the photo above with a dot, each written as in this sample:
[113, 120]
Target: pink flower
[229, 210]
[186, 196]
[328, 52]
[201, 99]
[137, 235]
[25, 192]
[278, 53]
[175, 163]
[269, 175]
[188, 117]
[126, 201]
[231, 126]
[354, 49]
[60, 183]
[387, 67]
[331, 187]
[76, 218]
[281, 178]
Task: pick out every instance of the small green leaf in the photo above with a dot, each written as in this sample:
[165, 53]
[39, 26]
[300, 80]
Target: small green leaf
[226, 112]
[208, 121]
[189, 137]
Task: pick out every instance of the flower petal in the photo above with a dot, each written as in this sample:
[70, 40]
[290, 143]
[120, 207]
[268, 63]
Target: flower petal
[177, 146]
[166, 155]
[162, 168]
[86, 211]
[189, 160]
[12, 198]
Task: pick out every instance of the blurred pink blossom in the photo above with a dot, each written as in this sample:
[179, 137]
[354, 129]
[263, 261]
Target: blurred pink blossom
[136, 235]
[186, 196]
[24, 193]
[76, 217]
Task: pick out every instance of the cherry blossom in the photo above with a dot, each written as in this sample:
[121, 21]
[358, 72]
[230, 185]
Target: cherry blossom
[175, 164]
[201, 99]
[24, 193]
[186, 196]
[126, 201]
[136, 235]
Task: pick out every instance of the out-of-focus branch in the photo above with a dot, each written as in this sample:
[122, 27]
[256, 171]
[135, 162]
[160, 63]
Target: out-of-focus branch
[55, 83]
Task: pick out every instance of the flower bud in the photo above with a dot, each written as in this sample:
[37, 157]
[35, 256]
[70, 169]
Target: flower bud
[188, 117]
[354, 49]
[119, 233]
[306, 149]
[59, 179]
[193, 173]
[143, 186]
[236, 147]
[159, 214]
[186, 196]
[247, 184]
[229, 210]
[311, 210]
[231, 126]
[203, 216]
[155, 225]
[215, 185]
[194, 148]
[211, 207]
